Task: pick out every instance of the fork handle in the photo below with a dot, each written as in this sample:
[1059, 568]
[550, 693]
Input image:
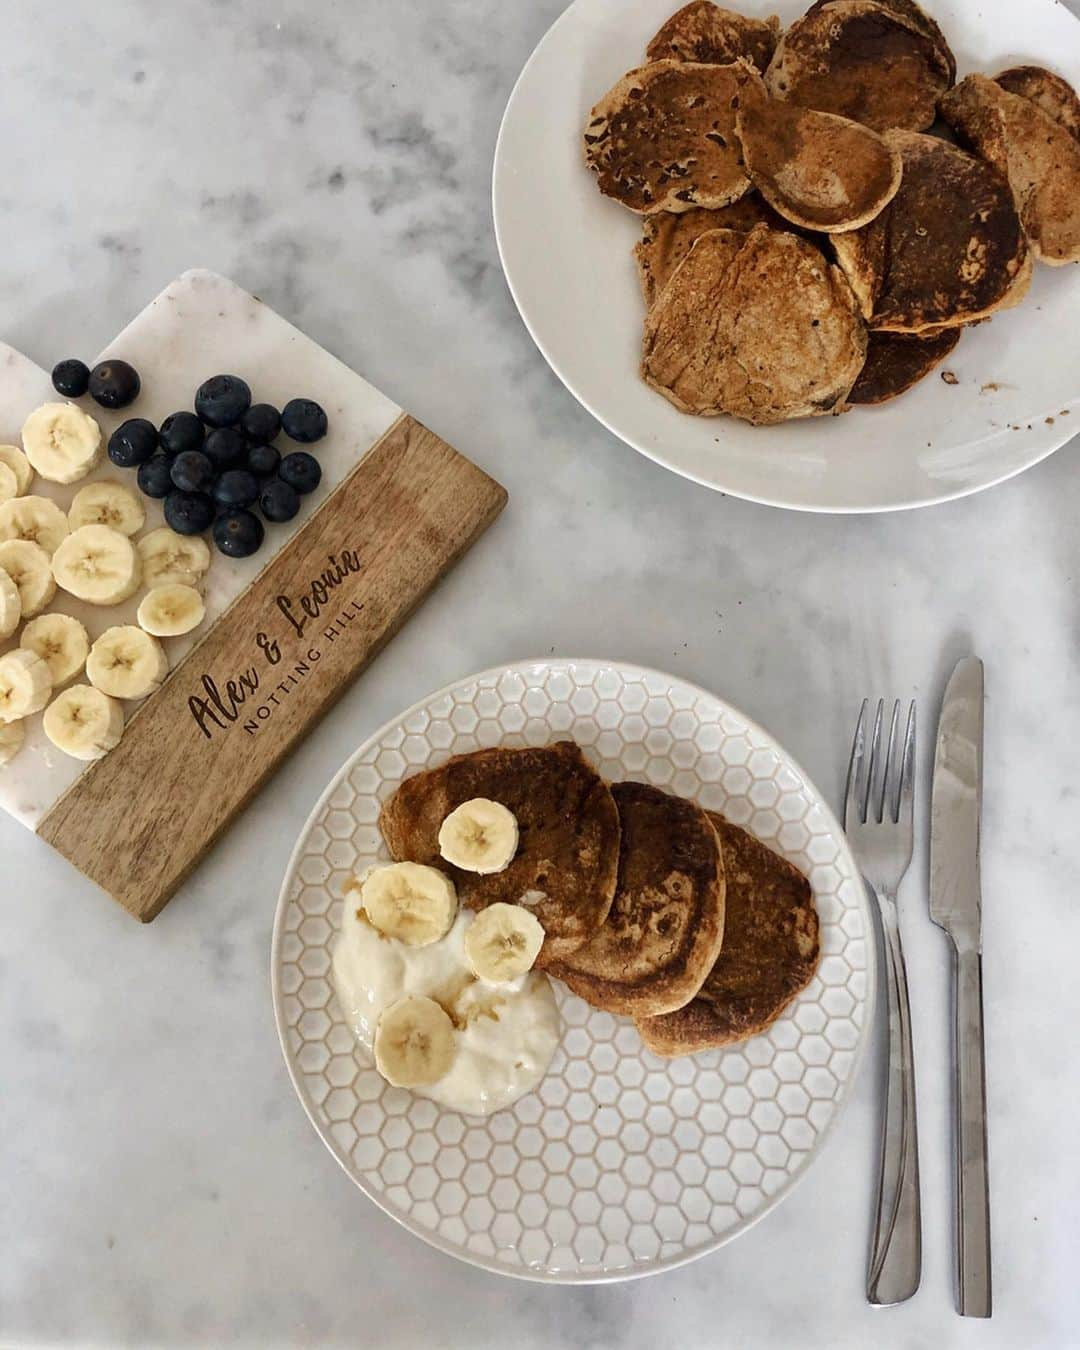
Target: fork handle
[896, 1254]
[973, 1295]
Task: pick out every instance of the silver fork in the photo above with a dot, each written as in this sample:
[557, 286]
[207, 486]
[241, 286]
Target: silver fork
[878, 815]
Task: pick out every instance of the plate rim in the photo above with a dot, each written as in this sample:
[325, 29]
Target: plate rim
[876, 507]
[448, 1248]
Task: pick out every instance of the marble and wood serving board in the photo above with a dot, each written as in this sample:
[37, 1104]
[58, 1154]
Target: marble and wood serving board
[286, 630]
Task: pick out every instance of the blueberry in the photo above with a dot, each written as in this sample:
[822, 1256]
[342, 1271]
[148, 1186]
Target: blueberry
[114, 384]
[222, 400]
[192, 472]
[188, 512]
[181, 431]
[71, 378]
[133, 442]
[303, 420]
[154, 477]
[278, 501]
[238, 534]
[225, 448]
[236, 487]
[261, 423]
[301, 471]
[263, 461]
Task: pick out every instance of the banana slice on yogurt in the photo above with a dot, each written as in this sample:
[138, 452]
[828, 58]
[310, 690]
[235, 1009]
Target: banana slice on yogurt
[411, 902]
[503, 942]
[414, 1042]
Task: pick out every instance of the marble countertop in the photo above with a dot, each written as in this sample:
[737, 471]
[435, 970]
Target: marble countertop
[159, 1183]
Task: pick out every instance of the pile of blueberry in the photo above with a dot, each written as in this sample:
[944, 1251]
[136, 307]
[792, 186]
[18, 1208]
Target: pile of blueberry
[215, 465]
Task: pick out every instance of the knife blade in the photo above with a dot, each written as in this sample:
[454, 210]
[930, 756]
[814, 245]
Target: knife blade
[956, 906]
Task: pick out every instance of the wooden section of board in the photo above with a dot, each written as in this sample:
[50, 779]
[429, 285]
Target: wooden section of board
[140, 819]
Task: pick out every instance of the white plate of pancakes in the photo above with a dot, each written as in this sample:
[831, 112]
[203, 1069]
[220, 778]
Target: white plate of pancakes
[621, 1163]
[1004, 398]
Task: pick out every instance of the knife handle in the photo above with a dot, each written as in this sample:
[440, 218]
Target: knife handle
[973, 1293]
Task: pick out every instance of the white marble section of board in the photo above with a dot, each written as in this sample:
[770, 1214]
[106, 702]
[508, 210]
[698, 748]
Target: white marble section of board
[199, 326]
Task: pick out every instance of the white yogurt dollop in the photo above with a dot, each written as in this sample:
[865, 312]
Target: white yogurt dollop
[506, 1034]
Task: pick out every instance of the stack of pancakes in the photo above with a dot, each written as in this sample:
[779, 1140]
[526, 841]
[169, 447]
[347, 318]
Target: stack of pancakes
[814, 236]
[651, 906]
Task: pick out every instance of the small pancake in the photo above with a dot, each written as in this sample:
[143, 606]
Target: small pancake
[768, 334]
[770, 952]
[863, 60]
[1037, 155]
[568, 850]
[709, 35]
[667, 237]
[1055, 96]
[948, 249]
[817, 170]
[918, 18]
[894, 362]
[664, 138]
[666, 923]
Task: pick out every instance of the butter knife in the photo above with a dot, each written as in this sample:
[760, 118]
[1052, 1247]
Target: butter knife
[956, 906]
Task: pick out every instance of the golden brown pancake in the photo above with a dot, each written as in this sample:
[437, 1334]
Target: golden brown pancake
[918, 18]
[817, 170]
[667, 237]
[666, 923]
[663, 139]
[709, 35]
[948, 249]
[863, 60]
[894, 362]
[1040, 159]
[1055, 96]
[568, 851]
[768, 334]
[770, 952]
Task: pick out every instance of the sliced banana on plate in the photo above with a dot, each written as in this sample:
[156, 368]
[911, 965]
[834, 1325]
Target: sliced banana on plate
[411, 902]
[98, 565]
[84, 722]
[168, 557]
[36, 519]
[17, 462]
[170, 611]
[62, 442]
[107, 503]
[9, 484]
[503, 942]
[12, 735]
[414, 1042]
[10, 605]
[25, 685]
[479, 836]
[27, 564]
[125, 662]
[61, 642]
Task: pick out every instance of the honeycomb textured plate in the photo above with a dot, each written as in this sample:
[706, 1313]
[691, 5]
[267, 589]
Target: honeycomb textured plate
[621, 1163]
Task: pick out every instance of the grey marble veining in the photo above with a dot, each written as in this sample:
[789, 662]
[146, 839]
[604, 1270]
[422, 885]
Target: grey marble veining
[159, 1184]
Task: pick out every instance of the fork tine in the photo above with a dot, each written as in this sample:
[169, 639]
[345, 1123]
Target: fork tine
[890, 774]
[855, 792]
[906, 804]
[876, 776]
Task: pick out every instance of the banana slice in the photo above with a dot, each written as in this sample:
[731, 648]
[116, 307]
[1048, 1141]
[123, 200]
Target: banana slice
[62, 442]
[169, 611]
[20, 466]
[34, 518]
[9, 484]
[414, 1042]
[61, 642]
[25, 685]
[125, 662]
[98, 565]
[410, 902]
[10, 606]
[107, 503]
[503, 942]
[83, 722]
[168, 557]
[479, 836]
[12, 735]
[27, 564]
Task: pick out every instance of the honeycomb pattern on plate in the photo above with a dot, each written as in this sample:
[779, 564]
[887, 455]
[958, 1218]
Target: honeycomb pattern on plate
[621, 1162]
